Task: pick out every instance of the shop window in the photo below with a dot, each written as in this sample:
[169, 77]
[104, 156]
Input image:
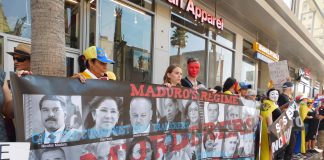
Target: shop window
[69, 66]
[72, 23]
[148, 4]
[186, 45]
[92, 23]
[224, 37]
[126, 34]
[15, 18]
[220, 65]
[248, 71]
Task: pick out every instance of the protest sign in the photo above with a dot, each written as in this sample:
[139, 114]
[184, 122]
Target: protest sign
[280, 129]
[278, 73]
[119, 120]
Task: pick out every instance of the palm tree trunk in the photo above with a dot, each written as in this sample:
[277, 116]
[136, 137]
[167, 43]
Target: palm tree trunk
[48, 38]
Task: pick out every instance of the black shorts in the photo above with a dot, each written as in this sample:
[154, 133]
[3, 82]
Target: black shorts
[312, 129]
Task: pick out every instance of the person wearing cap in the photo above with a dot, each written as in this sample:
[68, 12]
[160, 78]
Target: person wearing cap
[21, 58]
[230, 86]
[93, 65]
[320, 116]
[286, 95]
[244, 89]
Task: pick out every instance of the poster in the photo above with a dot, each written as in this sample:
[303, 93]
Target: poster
[279, 73]
[116, 120]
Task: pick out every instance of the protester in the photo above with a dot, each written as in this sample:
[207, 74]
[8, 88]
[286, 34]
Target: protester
[4, 92]
[172, 76]
[283, 102]
[311, 123]
[219, 89]
[230, 86]
[300, 146]
[252, 95]
[320, 116]
[269, 112]
[21, 58]
[102, 117]
[244, 87]
[93, 65]
[193, 67]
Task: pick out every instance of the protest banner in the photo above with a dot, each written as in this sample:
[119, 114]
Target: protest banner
[280, 129]
[119, 120]
[278, 73]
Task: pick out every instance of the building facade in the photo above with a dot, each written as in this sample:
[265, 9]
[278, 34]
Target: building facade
[230, 38]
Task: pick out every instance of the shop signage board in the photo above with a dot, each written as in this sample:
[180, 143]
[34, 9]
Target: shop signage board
[200, 14]
[278, 73]
[257, 47]
[131, 121]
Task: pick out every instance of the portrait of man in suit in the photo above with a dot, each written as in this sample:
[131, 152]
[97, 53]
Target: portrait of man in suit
[53, 154]
[171, 111]
[140, 113]
[53, 115]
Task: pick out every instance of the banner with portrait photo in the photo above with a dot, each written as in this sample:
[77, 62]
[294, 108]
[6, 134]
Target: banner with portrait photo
[118, 120]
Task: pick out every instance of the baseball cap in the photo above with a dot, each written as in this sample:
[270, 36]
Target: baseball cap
[98, 53]
[287, 85]
[21, 49]
[300, 97]
[244, 85]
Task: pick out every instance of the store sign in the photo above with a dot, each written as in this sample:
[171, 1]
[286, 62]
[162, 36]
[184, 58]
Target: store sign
[265, 51]
[199, 13]
[304, 72]
[263, 58]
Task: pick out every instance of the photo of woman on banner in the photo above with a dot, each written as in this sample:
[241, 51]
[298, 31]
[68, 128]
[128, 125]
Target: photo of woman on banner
[192, 115]
[233, 117]
[102, 117]
[212, 145]
[230, 145]
[176, 147]
[104, 150]
[169, 114]
[140, 148]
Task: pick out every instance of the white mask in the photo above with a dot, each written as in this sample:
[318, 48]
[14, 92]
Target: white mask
[274, 95]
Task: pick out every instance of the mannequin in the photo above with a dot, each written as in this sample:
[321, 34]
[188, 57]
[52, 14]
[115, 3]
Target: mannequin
[269, 112]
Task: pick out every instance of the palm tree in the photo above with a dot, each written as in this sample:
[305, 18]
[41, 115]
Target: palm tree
[179, 38]
[48, 38]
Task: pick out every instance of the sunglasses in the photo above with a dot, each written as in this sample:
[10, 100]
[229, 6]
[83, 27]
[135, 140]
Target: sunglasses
[20, 59]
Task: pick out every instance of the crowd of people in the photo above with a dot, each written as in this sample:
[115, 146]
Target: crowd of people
[93, 65]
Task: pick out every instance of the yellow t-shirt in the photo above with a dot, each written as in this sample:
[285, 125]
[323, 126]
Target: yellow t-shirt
[228, 92]
[88, 75]
[266, 110]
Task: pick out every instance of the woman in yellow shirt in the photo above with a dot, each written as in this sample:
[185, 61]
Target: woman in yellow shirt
[269, 107]
[93, 65]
